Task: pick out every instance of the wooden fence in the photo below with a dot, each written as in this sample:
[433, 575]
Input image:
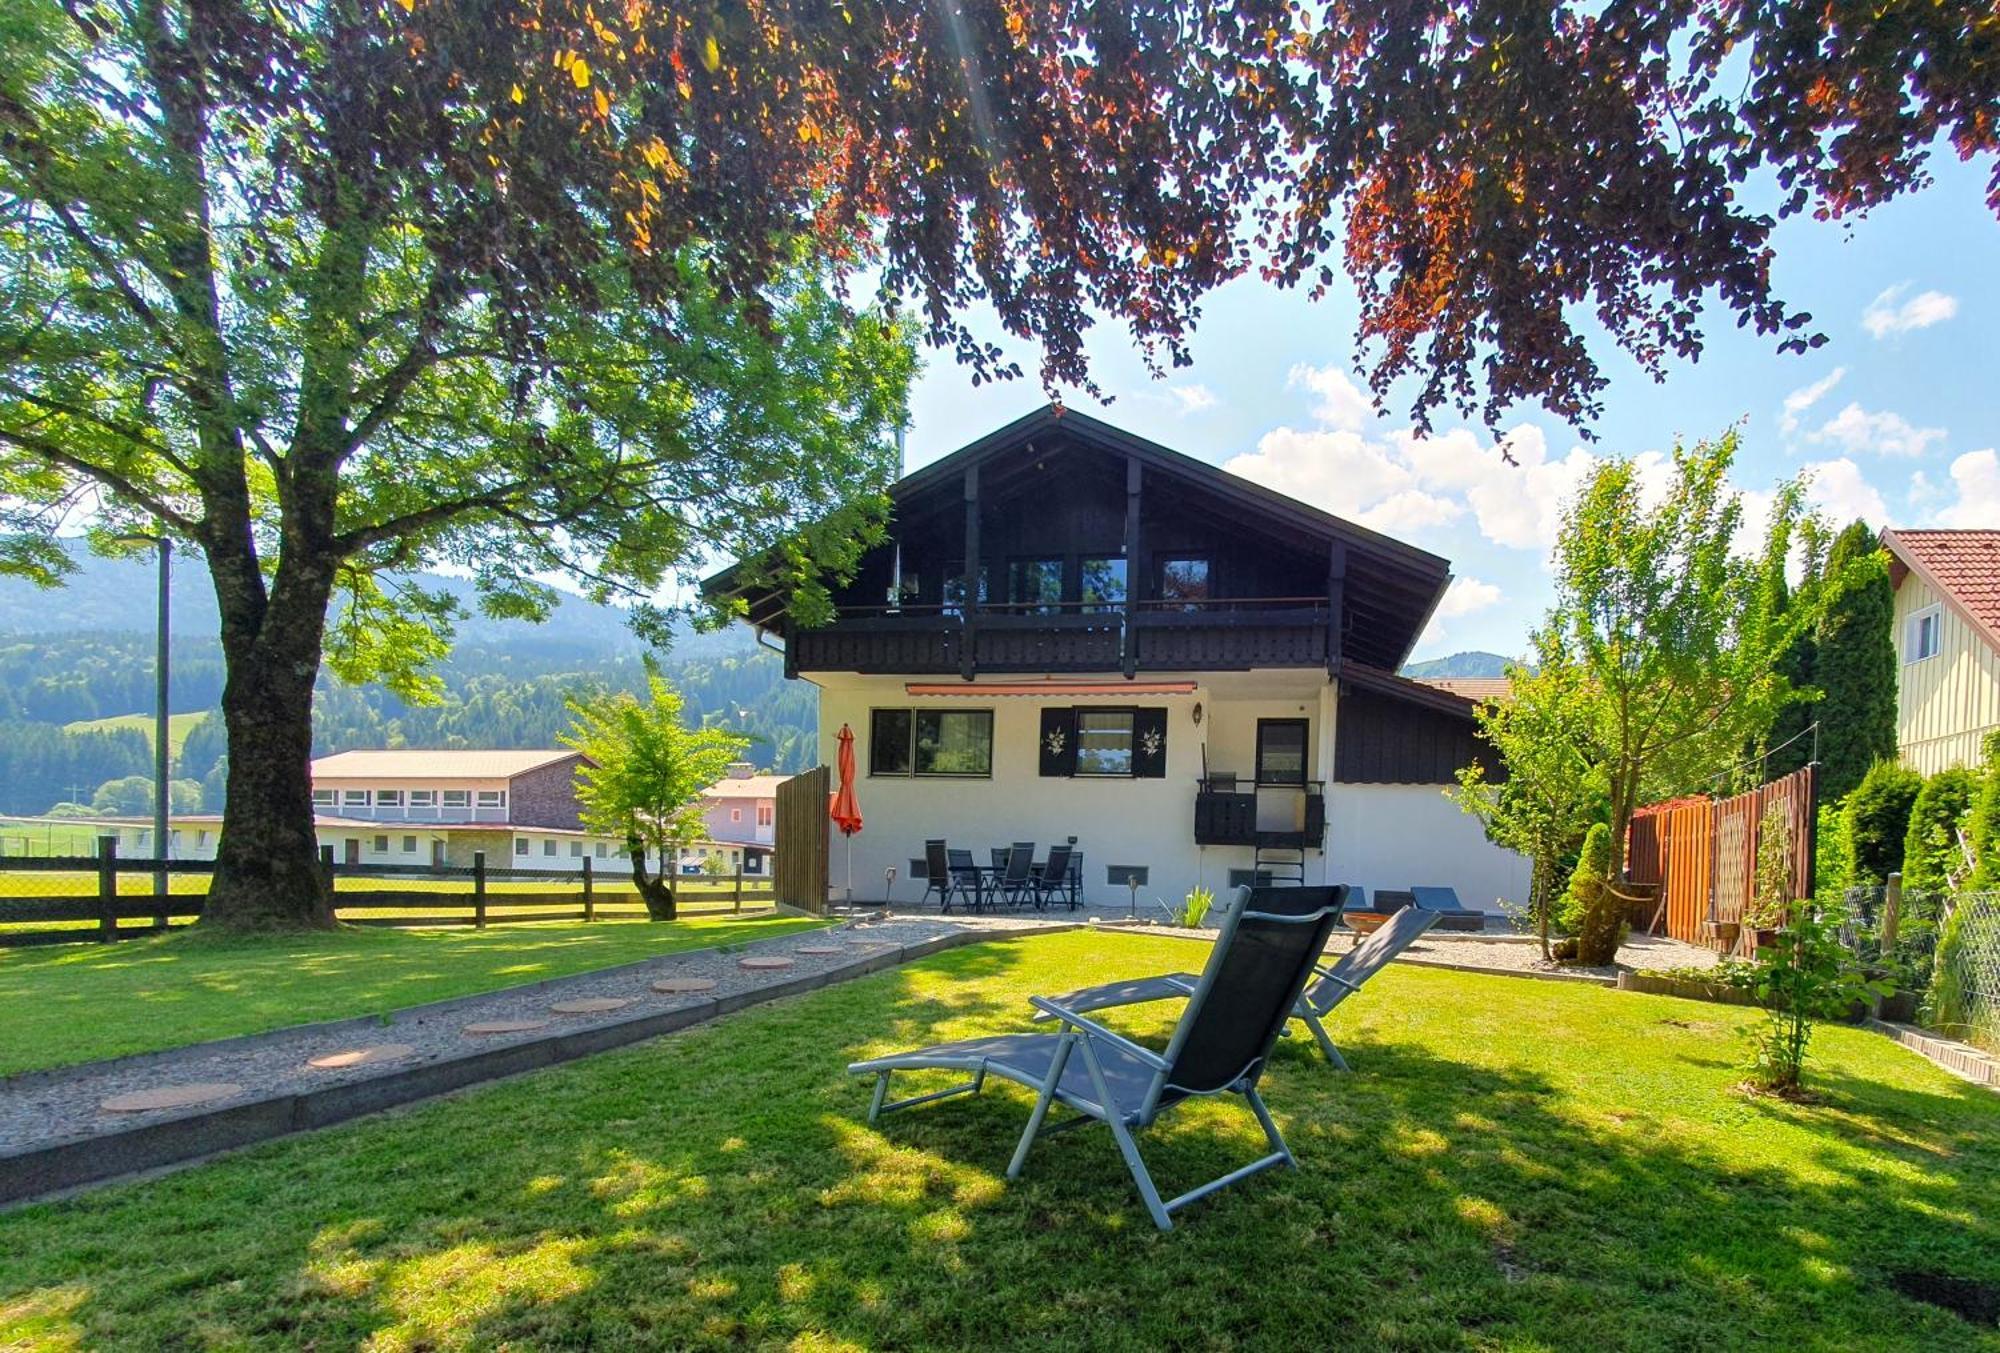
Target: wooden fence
[57, 900]
[1702, 856]
[802, 831]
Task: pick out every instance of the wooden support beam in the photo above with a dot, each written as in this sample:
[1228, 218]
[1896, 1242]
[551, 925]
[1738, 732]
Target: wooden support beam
[1134, 483]
[969, 609]
[1336, 604]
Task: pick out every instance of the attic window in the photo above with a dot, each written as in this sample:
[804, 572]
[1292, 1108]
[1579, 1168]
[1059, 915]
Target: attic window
[1921, 634]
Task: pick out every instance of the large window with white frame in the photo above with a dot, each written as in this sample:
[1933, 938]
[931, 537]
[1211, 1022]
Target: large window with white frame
[324, 798]
[457, 798]
[388, 798]
[354, 798]
[1922, 634]
[423, 798]
[492, 798]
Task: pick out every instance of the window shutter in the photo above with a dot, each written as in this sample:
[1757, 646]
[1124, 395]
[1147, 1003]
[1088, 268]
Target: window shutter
[1058, 742]
[1149, 744]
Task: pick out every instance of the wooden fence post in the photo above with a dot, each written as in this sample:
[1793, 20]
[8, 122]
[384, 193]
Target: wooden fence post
[739, 883]
[589, 902]
[479, 889]
[107, 888]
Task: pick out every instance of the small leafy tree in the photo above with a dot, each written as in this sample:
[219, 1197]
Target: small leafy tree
[1552, 791]
[1878, 820]
[644, 777]
[1804, 975]
[1678, 640]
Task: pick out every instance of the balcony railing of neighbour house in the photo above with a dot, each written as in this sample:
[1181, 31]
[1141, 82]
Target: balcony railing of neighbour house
[376, 812]
[1191, 635]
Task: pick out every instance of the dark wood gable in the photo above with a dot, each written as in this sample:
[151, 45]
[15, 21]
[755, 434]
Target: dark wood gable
[1390, 730]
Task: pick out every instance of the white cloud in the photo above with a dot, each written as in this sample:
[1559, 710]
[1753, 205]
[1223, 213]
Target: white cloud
[1922, 490]
[1467, 595]
[1884, 316]
[1338, 471]
[1843, 493]
[1192, 398]
[1976, 476]
[1410, 510]
[1803, 398]
[1343, 405]
[1854, 429]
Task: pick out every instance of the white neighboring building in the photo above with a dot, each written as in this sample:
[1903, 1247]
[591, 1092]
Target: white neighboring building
[1185, 671]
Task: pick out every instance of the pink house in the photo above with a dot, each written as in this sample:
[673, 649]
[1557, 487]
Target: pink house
[743, 806]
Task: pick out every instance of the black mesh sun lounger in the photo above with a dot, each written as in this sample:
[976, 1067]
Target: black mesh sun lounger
[1236, 1009]
[1335, 982]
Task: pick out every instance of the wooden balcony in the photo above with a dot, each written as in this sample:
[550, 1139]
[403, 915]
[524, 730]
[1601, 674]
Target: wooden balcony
[1225, 635]
[1226, 815]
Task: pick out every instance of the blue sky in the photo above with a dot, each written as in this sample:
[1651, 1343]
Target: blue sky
[1896, 417]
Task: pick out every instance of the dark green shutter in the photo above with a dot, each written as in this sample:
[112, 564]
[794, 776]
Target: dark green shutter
[1058, 741]
[1149, 744]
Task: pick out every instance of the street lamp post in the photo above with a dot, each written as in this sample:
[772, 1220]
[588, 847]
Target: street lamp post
[161, 749]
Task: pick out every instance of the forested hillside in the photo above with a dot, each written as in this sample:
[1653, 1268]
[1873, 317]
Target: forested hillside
[86, 652]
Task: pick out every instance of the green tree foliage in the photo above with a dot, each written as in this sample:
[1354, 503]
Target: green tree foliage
[1932, 855]
[1832, 866]
[644, 781]
[1854, 662]
[1984, 830]
[132, 796]
[1677, 641]
[1804, 975]
[1591, 906]
[41, 764]
[311, 291]
[1552, 791]
[1878, 820]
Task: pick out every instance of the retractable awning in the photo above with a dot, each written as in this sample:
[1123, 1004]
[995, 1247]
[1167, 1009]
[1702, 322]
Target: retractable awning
[985, 689]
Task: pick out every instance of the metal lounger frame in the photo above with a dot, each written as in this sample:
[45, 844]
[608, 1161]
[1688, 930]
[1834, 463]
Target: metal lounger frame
[1081, 1033]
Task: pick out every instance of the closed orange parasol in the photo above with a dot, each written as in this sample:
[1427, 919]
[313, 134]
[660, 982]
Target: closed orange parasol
[846, 812]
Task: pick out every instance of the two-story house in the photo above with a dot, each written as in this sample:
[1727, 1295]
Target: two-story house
[1947, 636]
[1075, 632]
[424, 807]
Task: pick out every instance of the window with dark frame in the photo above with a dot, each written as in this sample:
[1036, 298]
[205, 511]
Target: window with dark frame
[1035, 586]
[930, 742]
[1103, 582]
[1184, 580]
[1281, 751]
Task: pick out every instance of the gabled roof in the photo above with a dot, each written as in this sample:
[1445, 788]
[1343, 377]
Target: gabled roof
[404, 763]
[1485, 690]
[1377, 564]
[745, 787]
[1963, 567]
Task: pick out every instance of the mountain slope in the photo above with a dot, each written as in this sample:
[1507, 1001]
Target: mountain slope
[1470, 664]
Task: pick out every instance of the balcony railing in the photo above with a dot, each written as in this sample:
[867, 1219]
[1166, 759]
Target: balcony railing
[1221, 634]
[1226, 814]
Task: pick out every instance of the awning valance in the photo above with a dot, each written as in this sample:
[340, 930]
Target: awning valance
[1113, 689]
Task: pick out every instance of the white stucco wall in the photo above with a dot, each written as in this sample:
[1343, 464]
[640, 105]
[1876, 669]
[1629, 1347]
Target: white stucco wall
[1379, 836]
[1399, 836]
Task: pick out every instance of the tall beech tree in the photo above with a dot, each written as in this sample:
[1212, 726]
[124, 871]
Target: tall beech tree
[328, 291]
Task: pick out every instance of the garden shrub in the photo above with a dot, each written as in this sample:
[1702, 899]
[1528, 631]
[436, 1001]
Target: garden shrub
[1804, 975]
[1931, 853]
[1591, 907]
[1877, 819]
[1831, 876]
[1983, 827]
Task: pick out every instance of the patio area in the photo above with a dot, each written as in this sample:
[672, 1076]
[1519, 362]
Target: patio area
[1509, 1164]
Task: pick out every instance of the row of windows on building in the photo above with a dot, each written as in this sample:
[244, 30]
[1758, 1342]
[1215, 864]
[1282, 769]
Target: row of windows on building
[409, 798]
[550, 847]
[764, 814]
[1036, 583]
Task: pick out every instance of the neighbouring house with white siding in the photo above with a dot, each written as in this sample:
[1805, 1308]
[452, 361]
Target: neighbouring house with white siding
[1074, 632]
[1947, 642]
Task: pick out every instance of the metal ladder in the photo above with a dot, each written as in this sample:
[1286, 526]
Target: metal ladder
[1278, 860]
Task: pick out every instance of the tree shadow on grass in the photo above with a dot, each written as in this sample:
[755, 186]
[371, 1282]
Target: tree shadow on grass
[722, 1186]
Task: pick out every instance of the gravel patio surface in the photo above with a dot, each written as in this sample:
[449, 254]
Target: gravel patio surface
[69, 1103]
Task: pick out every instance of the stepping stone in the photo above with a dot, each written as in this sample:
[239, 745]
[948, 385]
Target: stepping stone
[591, 1005]
[763, 964]
[820, 949]
[681, 986]
[506, 1026]
[381, 1052]
[170, 1097]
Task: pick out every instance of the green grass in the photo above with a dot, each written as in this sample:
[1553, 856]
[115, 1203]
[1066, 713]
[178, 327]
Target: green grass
[178, 726]
[75, 1004]
[1513, 1165]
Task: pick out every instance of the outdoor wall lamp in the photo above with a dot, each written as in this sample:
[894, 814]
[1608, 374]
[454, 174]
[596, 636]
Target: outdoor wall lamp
[1197, 714]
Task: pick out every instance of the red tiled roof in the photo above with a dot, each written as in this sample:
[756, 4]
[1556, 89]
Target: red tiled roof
[1964, 566]
[1484, 690]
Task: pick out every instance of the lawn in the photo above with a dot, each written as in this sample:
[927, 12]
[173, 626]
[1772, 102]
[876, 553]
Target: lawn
[1512, 1165]
[76, 1004]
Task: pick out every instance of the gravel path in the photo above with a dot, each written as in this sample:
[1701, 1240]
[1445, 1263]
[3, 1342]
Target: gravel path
[70, 1103]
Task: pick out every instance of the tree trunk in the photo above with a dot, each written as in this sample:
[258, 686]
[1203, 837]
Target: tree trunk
[656, 890]
[267, 873]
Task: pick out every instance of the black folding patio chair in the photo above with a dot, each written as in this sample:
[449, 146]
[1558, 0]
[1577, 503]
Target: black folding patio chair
[1052, 879]
[1016, 881]
[937, 875]
[1263, 954]
[965, 880]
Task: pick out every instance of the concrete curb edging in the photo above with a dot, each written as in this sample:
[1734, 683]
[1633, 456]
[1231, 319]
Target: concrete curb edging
[67, 1165]
[1960, 1059]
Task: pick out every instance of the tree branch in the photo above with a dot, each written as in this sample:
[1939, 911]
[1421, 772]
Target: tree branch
[117, 483]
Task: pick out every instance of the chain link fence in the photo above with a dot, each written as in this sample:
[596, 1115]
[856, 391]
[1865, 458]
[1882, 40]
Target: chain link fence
[1945, 952]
